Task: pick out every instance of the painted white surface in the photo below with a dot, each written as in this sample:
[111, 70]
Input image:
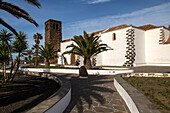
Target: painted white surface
[128, 100]
[167, 34]
[60, 106]
[139, 46]
[63, 49]
[76, 71]
[114, 57]
[147, 48]
[156, 53]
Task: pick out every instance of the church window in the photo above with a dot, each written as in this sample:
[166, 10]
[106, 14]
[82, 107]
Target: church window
[56, 27]
[114, 36]
[53, 26]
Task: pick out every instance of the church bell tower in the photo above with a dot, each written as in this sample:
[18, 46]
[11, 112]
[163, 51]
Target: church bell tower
[53, 34]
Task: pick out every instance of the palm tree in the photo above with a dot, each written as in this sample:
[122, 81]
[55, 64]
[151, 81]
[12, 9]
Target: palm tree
[48, 53]
[87, 46]
[29, 53]
[37, 38]
[17, 12]
[4, 58]
[19, 46]
[6, 37]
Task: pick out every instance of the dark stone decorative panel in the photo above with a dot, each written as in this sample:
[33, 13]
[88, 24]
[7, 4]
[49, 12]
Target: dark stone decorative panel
[130, 52]
[162, 37]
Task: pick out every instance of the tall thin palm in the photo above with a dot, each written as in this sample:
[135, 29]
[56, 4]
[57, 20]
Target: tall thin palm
[37, 38]
[17, 12]
[48, 53]
[19, 46]
[87, 46]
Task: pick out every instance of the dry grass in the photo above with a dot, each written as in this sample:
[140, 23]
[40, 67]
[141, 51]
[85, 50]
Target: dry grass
[157, 90]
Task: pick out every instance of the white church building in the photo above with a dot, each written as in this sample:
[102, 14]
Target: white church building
[132, 46]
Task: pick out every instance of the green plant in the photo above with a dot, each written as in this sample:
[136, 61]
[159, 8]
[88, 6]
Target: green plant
[37, 38]
[17, 12]
[87, 46]
[48, 53]
[19, 46]
[4, 58]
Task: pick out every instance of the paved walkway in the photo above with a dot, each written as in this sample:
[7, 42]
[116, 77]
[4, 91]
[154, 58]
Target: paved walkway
[95, 94]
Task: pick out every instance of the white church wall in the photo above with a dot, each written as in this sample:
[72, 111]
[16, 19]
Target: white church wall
[68, 56]
[99, 59]
[63, 49]
[156, 53]
[167, 34]
[139, 46]
[114, 57]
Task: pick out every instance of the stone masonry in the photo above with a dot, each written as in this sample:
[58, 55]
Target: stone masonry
[53, 34]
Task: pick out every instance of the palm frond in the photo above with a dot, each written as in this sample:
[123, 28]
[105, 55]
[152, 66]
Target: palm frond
[14, 10]
[34, 2]
[2, 22]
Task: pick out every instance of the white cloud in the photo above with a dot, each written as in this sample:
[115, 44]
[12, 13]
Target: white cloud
[96, 1]
[157, 15]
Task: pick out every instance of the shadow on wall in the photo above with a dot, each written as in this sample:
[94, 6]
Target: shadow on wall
[86, 92]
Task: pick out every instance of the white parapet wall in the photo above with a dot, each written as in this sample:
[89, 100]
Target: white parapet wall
[76, 71]
[135, 101]
[56, 103]
[60, 106]
[128, 100]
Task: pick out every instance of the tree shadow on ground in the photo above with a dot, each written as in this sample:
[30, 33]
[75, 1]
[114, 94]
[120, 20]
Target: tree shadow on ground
[25, 93]
[86, 92]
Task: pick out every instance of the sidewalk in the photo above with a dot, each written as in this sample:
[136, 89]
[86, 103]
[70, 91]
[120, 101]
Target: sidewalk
[95, 94]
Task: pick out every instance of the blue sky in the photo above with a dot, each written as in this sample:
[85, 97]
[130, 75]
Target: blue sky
[89, 15]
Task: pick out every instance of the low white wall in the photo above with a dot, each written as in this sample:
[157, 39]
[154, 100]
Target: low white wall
[56, 103]
[60, 106]
[129, 102]
[76, 71]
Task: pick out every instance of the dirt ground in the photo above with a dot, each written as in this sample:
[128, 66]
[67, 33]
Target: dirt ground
[25, 92]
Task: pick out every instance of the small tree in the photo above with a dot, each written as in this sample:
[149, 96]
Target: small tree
[5, 38]
[37, 38]
[19, 46]
[87, 46]
[28, 53]
[48, 53]
[4, 58]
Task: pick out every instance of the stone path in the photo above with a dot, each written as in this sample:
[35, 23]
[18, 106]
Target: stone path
[95, 94]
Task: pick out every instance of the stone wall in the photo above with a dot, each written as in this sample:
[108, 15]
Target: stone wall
[53, 34]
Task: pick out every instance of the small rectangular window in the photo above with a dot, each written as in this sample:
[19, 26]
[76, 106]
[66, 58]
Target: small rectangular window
[56, 27]
[53, 26]
[114, 36]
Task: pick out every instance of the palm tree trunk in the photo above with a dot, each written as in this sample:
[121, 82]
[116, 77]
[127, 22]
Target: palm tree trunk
[36, 59]
[18, 62]
[29, 58]
[4, 72]
[11, 59]
[47, 62]
[87, 63]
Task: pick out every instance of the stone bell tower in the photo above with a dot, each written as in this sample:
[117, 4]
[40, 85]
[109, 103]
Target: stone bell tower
[53, 34]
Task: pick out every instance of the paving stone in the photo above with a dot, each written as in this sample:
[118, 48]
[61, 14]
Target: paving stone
[103, 109]
[98, 92]
[88, 111]
[120, 108]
